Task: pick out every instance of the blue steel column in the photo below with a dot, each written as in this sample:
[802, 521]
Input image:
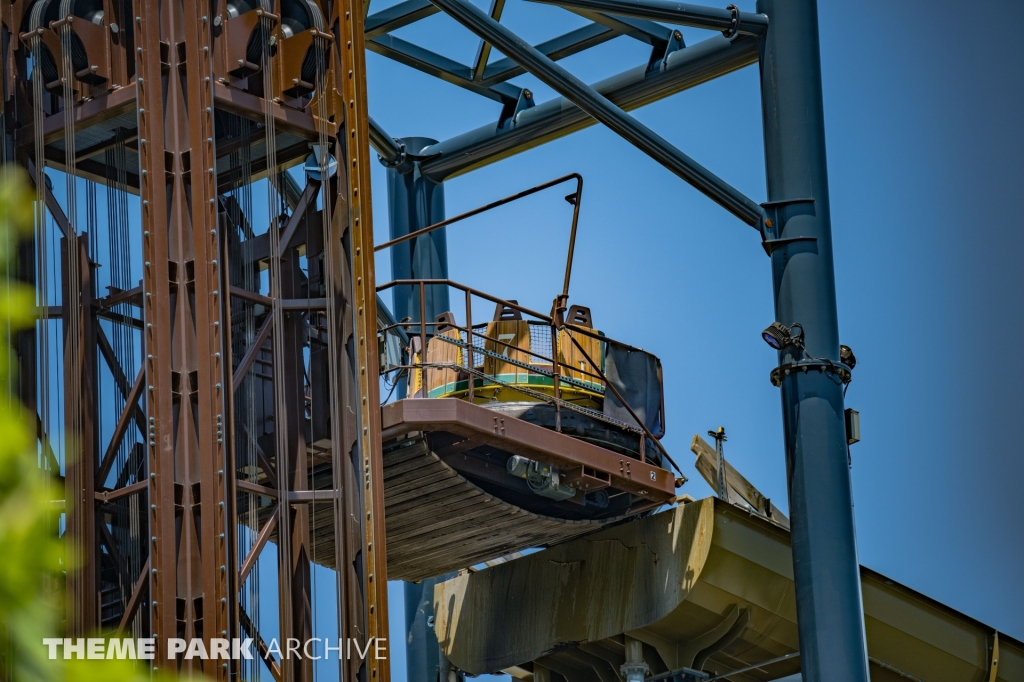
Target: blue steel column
[829, 605]
[414, 202]
[422, 652]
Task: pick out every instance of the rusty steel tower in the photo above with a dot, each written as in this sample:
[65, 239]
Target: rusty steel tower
[211, 453]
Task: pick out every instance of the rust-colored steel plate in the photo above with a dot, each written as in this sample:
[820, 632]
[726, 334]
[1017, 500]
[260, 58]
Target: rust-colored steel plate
[486, 427]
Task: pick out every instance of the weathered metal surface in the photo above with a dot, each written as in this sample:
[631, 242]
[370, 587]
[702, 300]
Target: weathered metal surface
[703, 585]
[355, 161]
[438, 521]
[80, 421]
[181, 401]
[185, 372]
[739, 487]
[485, 427]
[582, 591]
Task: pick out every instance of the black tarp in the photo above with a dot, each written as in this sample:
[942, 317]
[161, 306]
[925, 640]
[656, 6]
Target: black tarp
[636, 375]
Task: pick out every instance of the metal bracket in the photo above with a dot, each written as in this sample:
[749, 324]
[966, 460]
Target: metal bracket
[772, 244]
[826, 366]
[660, 53]
[734, 24]
[777, 214]
[511, 109]
[993, 668]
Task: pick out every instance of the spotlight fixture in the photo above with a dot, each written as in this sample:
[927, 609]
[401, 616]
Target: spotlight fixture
[778, 335]
[847, 357]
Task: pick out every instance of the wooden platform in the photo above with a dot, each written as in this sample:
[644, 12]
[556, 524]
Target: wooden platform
[450, 503]
[438, 521]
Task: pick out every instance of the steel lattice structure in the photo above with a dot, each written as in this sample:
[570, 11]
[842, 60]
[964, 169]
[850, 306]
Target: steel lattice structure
[245, 361]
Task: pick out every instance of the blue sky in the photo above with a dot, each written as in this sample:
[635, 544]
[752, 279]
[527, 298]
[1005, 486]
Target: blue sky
[926, 166]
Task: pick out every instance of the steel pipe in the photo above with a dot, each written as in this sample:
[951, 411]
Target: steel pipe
[391, 154]
[414, 203]
[725, 20]
[599, 107]
[829, 604]
[683, 69]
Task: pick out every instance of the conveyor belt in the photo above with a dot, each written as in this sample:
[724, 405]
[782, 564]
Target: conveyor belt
[438, 521]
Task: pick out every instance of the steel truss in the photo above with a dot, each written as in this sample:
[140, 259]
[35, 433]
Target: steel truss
[794, 227]
[161, 78]
[156, 81]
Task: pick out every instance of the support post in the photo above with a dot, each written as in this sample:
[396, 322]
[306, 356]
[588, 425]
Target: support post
[372, 563]
[185, 395]
[414, 202]
[422, 652]
[829, 605]
[80, 399]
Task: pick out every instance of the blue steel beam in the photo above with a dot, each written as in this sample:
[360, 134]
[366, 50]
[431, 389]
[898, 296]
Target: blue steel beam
[602, 30]
[576, 91]
[650, 32]
[556, 118]
[662, 40]
[439, 66]
[483, 53]
[494, 74]
[397, 16]
[391, 153]
[563, 46]
[829, 604]
[725, 20]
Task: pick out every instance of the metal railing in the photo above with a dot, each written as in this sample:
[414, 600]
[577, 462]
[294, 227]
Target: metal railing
[475, 343]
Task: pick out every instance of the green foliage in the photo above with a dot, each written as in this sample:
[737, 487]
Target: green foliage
[31, 555]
